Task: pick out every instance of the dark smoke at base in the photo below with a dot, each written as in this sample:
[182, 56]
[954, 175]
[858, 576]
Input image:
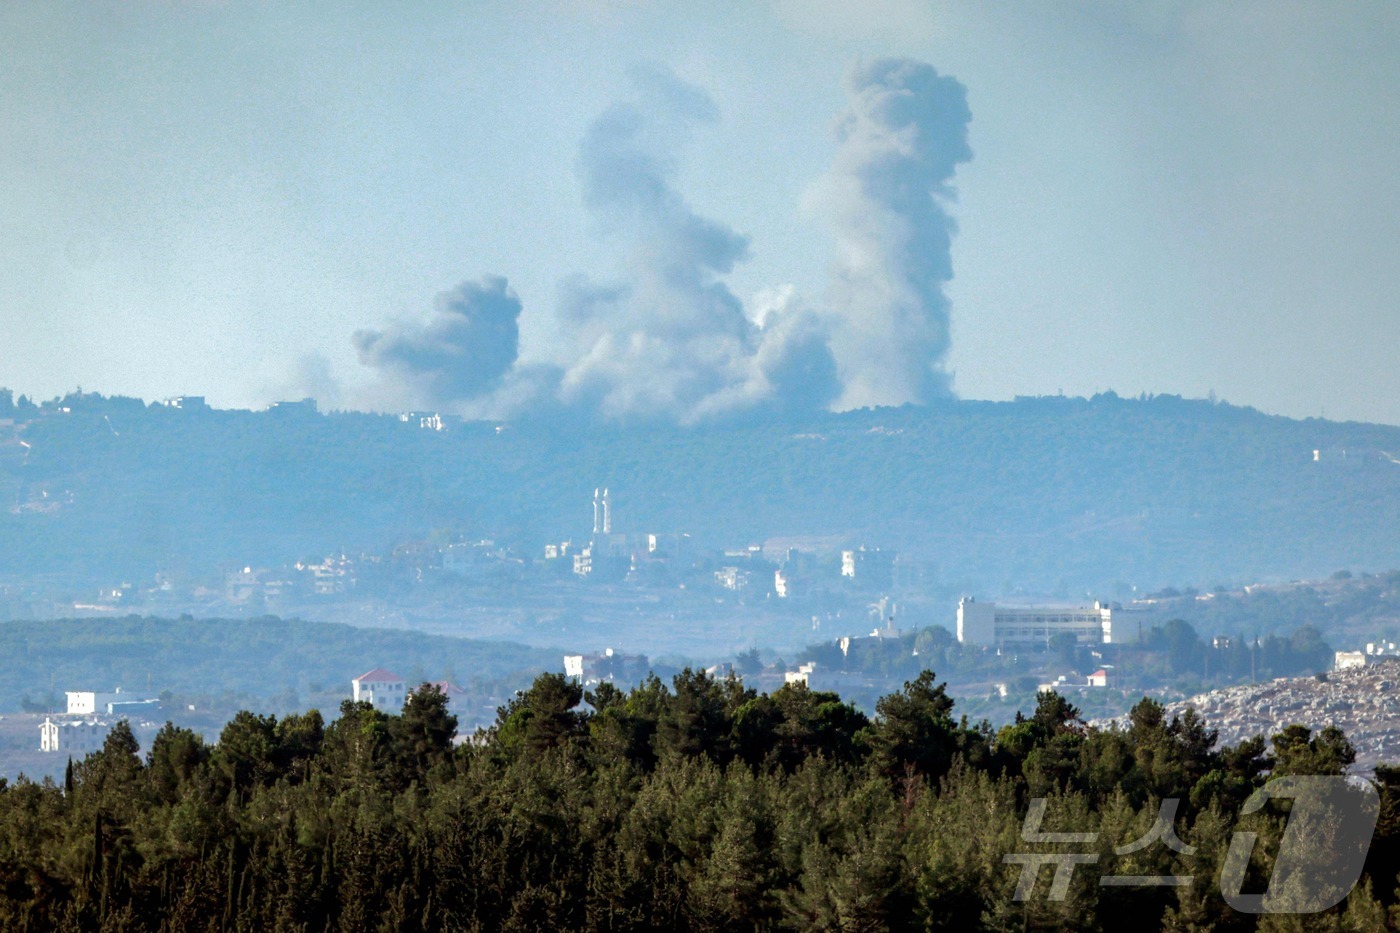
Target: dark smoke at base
[465, 350]
[670, 341]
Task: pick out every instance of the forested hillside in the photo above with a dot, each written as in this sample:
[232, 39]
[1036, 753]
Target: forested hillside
[1046, 493]
[699, 806]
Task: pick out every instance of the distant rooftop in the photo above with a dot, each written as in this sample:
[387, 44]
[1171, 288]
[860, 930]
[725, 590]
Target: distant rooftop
[378, 676]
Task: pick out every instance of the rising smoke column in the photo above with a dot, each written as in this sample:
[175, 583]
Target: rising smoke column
[673, 341]
[900, 141]
[668, 340]
[463, 352]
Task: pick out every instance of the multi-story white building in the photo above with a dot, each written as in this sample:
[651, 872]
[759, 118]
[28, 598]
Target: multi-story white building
[381, 689]
[91, 703]
[1032, 626]
[74, 736]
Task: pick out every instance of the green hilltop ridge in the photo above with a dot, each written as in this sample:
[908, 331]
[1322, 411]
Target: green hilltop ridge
[282, 661]
[1043, 492]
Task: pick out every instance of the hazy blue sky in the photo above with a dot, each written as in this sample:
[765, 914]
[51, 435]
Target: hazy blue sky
[213, 198]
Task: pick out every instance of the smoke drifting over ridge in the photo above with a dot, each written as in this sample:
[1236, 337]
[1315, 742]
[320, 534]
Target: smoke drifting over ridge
[670, 340]
[465, 350]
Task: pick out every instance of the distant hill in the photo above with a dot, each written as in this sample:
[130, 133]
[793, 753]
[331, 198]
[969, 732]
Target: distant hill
[287, 663]
[1050, 493]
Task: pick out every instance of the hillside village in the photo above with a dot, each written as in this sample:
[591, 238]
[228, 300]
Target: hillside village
[700, 550]
[117, 496]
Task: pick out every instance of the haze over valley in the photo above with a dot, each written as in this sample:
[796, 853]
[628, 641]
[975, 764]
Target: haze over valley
[620, 465]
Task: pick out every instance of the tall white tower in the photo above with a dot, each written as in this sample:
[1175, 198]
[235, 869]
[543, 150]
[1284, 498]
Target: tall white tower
[597, 512]
[607, 514]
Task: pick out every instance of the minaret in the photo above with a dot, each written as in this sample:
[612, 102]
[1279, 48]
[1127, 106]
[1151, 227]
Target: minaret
[597, 512]
[607, 514]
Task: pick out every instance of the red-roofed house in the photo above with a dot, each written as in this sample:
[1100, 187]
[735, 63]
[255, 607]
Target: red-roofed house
[381, 689]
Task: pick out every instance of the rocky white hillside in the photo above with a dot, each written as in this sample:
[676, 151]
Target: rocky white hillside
[1364, 702]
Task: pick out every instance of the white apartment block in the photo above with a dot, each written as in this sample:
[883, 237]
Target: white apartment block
[90, 703]
[999, 626]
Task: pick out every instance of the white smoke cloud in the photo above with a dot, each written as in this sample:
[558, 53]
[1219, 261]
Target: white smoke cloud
[674, 340]
[670, 340]
[900, 142]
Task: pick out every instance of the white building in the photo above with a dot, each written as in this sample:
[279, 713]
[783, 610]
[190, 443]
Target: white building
[675, 546]
[90, 703]
[574, 665]
[427, 420]
[381, 689]
[814, 677]
[803, 674]
[333, 575]
[1345, 660]
[732, 578]
[1032, 626]
[780, 584]
[74, 736]
[611, 666]
[869, 567]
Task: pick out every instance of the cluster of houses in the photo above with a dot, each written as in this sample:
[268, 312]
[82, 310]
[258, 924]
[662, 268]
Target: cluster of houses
[1375, 651]
[90, 715]
[608, 555]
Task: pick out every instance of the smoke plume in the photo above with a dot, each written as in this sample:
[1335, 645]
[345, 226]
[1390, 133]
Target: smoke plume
[667, 338]
[463, 352]
[672, 340]
[900, 142]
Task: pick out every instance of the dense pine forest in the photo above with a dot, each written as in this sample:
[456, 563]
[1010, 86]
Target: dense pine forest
[701, 805]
